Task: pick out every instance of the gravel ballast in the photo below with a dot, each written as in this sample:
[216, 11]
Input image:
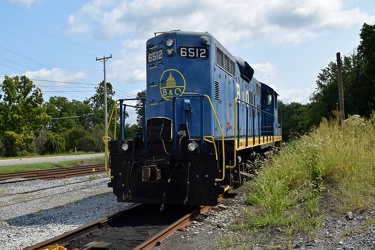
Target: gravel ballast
[59, 206]
[214, 231]
[29, 218]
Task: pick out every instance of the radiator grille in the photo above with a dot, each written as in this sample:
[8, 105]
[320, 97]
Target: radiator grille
[217, 90]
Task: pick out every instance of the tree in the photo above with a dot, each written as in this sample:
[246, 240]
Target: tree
[361, 90]
[85, 114]
[80, 139]
[67, 114]
[96, 102]
[366, 50]
[325, 97]
[54, 143]
[62, 112]
[22, 115]
[294, 119]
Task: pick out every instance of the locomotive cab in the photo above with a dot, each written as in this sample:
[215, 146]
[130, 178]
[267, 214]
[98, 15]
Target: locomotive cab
[270, 115]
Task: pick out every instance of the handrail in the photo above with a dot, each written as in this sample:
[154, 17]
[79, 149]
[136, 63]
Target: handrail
[209, 139]
[206, 138]
[235, 143]
[106, 139]
[222, 137]
[235, 146]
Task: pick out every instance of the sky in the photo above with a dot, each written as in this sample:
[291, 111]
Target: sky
[288, 42]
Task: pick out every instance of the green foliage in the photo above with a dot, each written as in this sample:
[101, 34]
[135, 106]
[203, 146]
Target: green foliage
[130, 130]
[12, 143]
[294, 119]
[81, 124]
[62, 112]
[334, 163]
[17, 145]
[97, 134]
[74, 137]
[366, 50]
[22, 115]
[97, 100]
[67, 114]
[79, 139]
[325, 98]
[358, 74]
[54, 144]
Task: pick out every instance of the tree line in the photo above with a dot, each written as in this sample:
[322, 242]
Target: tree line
[358, 76]
[28, 125]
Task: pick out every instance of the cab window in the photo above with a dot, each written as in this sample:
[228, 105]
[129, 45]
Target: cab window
[267, 98]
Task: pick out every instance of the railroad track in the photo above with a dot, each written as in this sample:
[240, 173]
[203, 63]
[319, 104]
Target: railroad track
[22, 197]
[53, 173]
[140, 227]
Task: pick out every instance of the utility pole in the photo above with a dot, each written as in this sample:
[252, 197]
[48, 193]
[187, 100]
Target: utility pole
[104, 60]
[341, 88]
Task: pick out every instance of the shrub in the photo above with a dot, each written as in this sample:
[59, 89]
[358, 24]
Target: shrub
[53, 144]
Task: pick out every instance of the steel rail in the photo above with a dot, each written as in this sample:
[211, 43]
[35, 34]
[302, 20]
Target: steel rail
[54, 173]
[48, 170]
[63, 240]
[181, 223]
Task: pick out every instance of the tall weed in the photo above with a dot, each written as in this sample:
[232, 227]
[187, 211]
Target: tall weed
[334, 162]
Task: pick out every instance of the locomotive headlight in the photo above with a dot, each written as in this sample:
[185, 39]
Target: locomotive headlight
[170, 51]
[192, 146]
[205, 40]
[169, 42]
[125, 146]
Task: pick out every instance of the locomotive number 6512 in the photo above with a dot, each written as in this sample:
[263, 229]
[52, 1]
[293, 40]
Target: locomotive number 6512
[155, 56]
[193, 52]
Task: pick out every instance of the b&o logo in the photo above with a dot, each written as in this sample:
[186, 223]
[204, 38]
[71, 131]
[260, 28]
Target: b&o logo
[173, 84]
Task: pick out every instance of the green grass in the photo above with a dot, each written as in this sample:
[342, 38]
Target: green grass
[332, 169]
[32, 155]
[37, 166]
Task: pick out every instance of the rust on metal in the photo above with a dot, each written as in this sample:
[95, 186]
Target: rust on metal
[181, 223]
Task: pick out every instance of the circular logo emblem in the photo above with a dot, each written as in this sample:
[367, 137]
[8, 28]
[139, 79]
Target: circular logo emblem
[173, 84]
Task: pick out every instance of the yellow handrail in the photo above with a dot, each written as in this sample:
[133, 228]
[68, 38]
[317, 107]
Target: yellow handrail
[106, 139]
[206, 138]
[222, 137]
[235, 146]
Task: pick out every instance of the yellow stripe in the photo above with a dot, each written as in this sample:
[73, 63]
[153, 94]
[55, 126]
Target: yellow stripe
[253, 143]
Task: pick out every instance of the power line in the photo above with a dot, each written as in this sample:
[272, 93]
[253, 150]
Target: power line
[51, 44]
[19, 37]
[70, 117]
[44, 80]
[54, 37]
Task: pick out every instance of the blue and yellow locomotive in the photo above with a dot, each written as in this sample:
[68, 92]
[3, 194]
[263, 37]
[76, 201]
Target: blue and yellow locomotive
[205, 118]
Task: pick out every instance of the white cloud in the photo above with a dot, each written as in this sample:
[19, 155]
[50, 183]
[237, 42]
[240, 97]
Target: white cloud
[300, 21]
[54, 81]
[126, 70]
[56, 74]
[294, 95]
[264, 71]
[238, 25]
[80, 22]
[282, 21]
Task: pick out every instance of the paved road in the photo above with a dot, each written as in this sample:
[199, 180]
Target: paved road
[53, 159]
